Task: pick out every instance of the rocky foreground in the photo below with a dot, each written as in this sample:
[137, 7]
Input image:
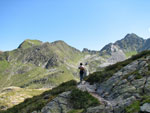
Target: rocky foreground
[127, 91]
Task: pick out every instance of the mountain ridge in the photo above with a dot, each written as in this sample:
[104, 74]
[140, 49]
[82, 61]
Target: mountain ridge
[33, 55]
[124, 44]
[46, 64]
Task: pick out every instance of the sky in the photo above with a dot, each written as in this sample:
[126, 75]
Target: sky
[80, 23]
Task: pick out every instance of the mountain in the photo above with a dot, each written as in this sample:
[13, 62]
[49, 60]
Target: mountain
[36, 65]
[129, 45]
[120, 88]
[122, 49]
[112, 53]
[131, 42]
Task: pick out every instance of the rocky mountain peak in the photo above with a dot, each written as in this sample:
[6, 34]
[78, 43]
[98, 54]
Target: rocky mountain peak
[85, 50]
[131, 42]
[29, 43]
[131, 35]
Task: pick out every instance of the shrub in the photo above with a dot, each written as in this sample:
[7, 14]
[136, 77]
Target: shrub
[99, 77]
[66, 86]
[145, 99]
[133, 108]
[82, 99]
[76, 111]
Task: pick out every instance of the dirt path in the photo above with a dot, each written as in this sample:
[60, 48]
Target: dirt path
[102, 100]
[91, 89]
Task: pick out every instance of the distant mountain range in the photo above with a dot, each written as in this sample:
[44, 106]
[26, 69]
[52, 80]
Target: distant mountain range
[130, 45]
[35, 64]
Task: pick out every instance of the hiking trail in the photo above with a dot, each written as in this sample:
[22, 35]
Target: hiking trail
[92, 90]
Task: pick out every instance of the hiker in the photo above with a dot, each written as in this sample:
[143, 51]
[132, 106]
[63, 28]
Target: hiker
[82, 69]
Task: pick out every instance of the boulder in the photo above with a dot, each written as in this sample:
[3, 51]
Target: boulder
[100, 109]
[145, 108]
[60, 104]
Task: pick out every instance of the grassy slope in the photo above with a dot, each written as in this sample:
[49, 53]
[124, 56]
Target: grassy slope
[131, 53]
[34, 78]
[14, 95]
[63, 50]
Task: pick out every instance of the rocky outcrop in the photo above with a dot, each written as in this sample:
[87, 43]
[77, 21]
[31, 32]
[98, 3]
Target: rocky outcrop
[60, 104]
[126, 85]
[145, 108]
[116, 55]
[146, 46]
[100, 109]
[52, 62]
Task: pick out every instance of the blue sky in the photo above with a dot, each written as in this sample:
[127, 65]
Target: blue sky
[80, 23]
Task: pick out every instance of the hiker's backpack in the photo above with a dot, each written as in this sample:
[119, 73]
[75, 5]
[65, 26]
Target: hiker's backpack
[81, 69]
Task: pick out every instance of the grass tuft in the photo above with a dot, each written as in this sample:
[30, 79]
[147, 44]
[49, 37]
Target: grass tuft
[82, 99]
[133, 108]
